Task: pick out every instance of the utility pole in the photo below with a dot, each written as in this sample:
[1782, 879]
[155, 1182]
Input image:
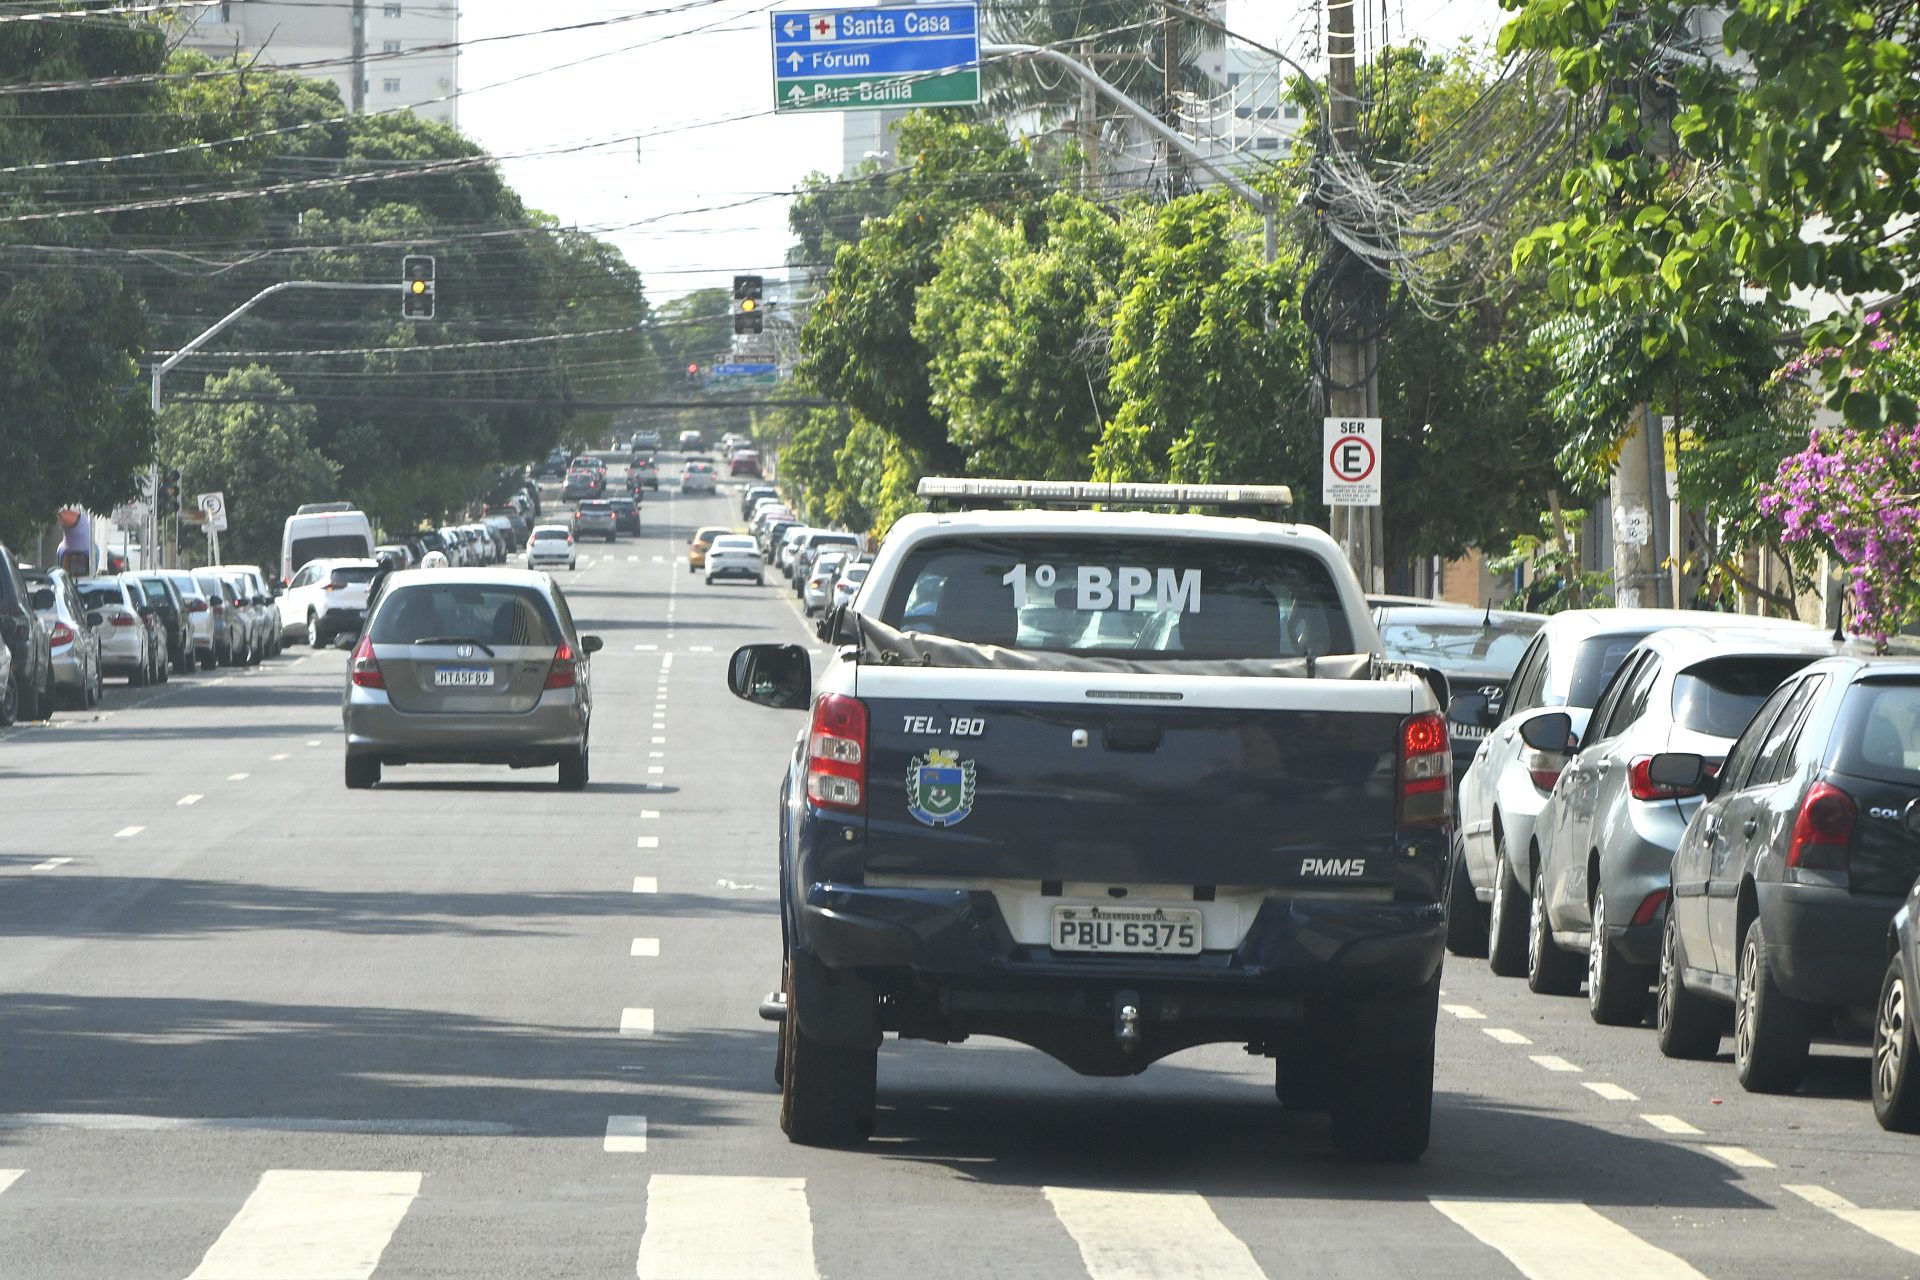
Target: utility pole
[357, 91]
[1090, 131]
[1170, 99]
[1637, 580]
[1353, 388]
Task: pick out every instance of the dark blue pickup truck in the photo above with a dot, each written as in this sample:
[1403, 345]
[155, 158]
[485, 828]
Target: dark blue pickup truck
[1112, 784]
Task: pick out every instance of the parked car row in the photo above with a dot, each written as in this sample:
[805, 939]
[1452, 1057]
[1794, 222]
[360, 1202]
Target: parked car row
[1710, 819]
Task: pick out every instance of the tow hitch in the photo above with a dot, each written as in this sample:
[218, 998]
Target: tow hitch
[1126, 1019]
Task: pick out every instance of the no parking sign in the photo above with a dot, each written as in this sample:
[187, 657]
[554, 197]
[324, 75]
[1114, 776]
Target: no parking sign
[1351, 452]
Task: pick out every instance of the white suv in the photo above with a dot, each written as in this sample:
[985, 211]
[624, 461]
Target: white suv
[328, 598]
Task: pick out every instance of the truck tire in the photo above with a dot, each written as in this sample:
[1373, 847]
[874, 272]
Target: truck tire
[1616, 990]
[1550, 971]
[1466, 920]
[826, 1090]
[1770, 1028]
[1507, 922]
[1686, 1025]
[1382, 1099]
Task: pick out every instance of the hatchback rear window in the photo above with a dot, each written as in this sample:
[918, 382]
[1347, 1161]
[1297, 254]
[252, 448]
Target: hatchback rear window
[1719, 696]
[549, 535]
[452, 612]
[1175, 599]
[353, 573]
[100, 597]
[1594, 663]
[1879, 731]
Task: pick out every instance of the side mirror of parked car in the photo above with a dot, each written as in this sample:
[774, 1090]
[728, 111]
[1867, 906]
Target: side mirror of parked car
[43, 598]
[1550, 732]
[1681, 770]
[772, 675]
[278, 590]
[1471, 709]
[96, 619]
[592, 644]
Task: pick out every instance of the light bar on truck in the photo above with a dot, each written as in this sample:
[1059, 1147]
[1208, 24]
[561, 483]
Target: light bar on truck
[953, 490]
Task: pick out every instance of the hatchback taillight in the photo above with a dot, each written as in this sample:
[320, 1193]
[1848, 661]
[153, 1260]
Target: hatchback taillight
[1822, 830]
[837, 753]
[1426, 771]
[366, 668]
[563, 674]
[61, 634]
[122, 619]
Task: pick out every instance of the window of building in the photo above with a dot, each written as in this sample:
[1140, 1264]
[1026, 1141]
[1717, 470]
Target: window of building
[389, 10]
[1266, 144]
[1292, 111]
[389, 46]
[1243, 113]
[1267, 113]
[1233, 79]
[390, 85]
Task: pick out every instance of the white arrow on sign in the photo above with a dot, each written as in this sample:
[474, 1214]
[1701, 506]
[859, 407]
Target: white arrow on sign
[793, 60]
[796, 95]
[791, 29]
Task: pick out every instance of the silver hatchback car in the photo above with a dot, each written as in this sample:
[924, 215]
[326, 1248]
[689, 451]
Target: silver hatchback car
[469, 666]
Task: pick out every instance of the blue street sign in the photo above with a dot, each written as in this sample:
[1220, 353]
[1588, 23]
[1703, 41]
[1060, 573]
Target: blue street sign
[866, 59]
[743, 370]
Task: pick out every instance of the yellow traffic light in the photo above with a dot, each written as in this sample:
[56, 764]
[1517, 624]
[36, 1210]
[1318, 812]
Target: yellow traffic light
[748, 304]
[419, 286]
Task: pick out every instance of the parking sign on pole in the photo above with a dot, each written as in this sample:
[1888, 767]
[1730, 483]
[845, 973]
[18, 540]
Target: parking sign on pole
[1350, 450]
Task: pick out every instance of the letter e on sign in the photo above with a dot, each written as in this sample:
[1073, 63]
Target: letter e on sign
[1350, 449]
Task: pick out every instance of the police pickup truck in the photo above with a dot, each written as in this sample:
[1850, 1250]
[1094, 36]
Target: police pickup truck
[1111, 784]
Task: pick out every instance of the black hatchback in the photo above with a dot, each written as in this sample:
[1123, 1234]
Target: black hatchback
[1788, 876]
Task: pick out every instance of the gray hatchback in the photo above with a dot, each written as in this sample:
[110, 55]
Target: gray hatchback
[469, 666]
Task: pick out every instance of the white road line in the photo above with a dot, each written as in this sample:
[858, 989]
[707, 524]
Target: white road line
[645, 884]
[1504, 1036]
[645, 947]
[183, 801]
[9, 1176]
[1553, 1063]
[654, 768]
[1465, 1012]
[699, 648]
[626, 1135]
[1547, 1241]
[656, 755]
[1670, 1124]
[313, 742]
[659, 560]
[659, 740]
[304, 1224]
[238, 777]
[633, 559]
[1612, 1092]
[649, 815]
[51, 864]
[282, 756]
[1898, 1227]
[125, 832]
[647, 842]
[721, 1228]
[666, 659]
[1741, 1158]
[646, 648]
[636, 1022]
[1146, 1235]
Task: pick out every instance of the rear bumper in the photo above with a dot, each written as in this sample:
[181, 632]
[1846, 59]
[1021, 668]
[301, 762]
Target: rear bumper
[734, 571]
[1295, 946]
[69, 668]
[1826, 945]
[374, 727]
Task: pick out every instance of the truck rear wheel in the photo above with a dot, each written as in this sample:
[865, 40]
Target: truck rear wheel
[1382, 1098]
[826, 1090]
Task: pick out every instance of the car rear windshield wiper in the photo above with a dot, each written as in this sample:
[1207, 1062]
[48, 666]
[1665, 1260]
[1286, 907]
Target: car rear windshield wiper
[478, 644]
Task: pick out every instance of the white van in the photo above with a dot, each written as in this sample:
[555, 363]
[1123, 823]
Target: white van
[324, 531]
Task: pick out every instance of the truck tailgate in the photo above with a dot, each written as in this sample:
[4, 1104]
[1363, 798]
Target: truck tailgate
[1072, 776]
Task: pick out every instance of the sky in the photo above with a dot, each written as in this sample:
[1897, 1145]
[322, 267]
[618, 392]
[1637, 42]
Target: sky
[701, 194]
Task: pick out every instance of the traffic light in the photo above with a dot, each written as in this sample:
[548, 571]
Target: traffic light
[748, 314]
[693, 373]
[167, 501]
[416, 287]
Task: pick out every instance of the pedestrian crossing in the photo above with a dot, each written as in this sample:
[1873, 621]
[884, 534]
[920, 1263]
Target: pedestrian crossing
[335, 1224]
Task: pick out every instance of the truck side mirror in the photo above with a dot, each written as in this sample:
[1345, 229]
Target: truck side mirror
[772, 675]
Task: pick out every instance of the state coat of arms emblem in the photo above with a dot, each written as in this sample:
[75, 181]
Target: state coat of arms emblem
[940, 788]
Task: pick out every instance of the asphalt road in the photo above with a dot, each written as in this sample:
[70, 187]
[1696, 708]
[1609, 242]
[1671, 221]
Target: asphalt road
[467, 1025]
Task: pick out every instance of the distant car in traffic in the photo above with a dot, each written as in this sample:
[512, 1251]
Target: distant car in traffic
[646, 439]
[697, 545]
[816, 593]
[595, 519]
[127, 642]
[230, 631]
[743, 462]
[698, 477]
[584, 482]
[478, 666]
[691, 439]
[733, 555]
[626, 515]
[847, 585]
[551, 544]
[643, 473]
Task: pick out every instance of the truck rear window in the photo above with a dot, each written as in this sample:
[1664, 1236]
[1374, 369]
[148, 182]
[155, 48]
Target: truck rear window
[1175, 598]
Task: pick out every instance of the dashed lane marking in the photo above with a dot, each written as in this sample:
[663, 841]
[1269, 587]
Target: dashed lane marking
[1669, 1124]
[127, 832]
[626, 1135]
[238, 777]
[645, 884]
[1547, 1241]
[1898, 1227]
[302, 1223]
[636, 1022]
[646, 948]
[659, 741]
[649, 815]
[51, 864]
[1613, 1092]
[666, 663]
[694, 1229]
[1146, 1235]
[656, 755]
[9, 1176]
[313, 742]
[1553, 1063]
[1465, 1012]
[699, 648]
[281, 756]
[647, 842]
[654, 768]
[186, 800]
[1505, 1036]
[1741, 1158]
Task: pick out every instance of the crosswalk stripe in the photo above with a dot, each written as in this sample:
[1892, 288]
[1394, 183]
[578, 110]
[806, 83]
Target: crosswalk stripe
[707, 1227]
[1546, 1241]
[1898, 1227]
[1150, 1235]
[311, 1224]
[9, 1176]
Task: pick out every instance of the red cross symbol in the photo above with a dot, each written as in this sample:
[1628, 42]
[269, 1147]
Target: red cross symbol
[822, 26]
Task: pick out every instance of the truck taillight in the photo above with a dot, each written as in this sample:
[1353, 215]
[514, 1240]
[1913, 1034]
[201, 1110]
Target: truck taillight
[1426, 771]
[563, 674]
[1822, 830]
[366, 668]
[837, 753]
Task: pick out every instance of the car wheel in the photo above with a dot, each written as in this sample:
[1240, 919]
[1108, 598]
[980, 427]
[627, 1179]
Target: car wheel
[573, 769]
[90, 689]
[1770, 1032]
[1896, 1094]
[189, 661]
[1506, 922]
[313, 631]
[9, 702]
[362, 772]
[1466, 920]
[1381, 1102]
[1686, 1024]
[1616, 990]
[1550, 971]
[826, 1090]
[162, 672]
[141, 675]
